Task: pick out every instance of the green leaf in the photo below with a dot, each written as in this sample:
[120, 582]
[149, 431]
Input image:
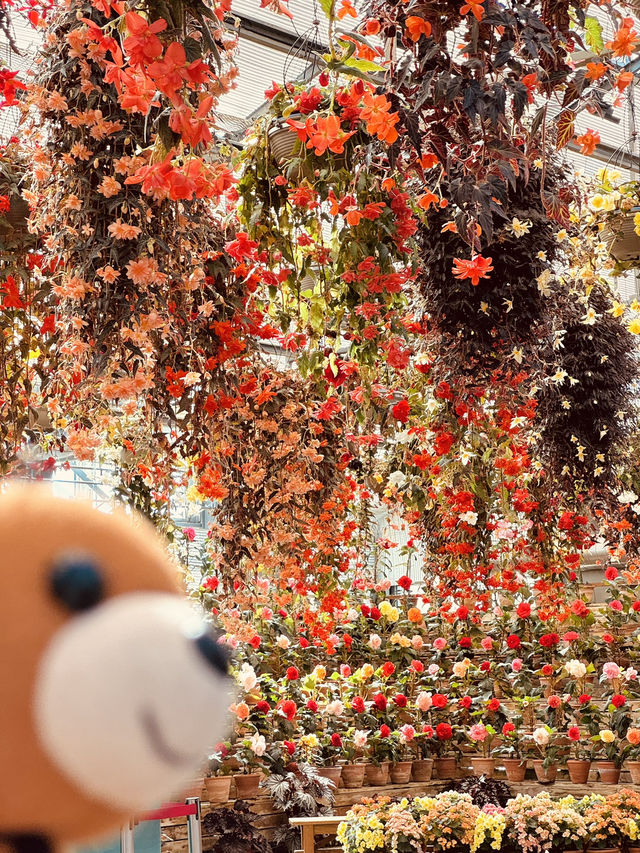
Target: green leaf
[593, 33]
[364, 65]
[327, 8]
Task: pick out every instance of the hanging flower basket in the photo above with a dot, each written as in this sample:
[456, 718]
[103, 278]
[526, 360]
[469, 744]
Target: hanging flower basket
[624, 243]
[282, 142]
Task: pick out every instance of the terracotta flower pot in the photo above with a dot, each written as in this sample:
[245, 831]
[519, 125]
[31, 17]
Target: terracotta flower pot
[217, 789]
[422, 770]
[446, 768]
[634, 769]
[247, 785]
[578, 770]
[376, 774]
[545, 775]
[353, 775]
[609, 773]
[332, 773]
[515, 768]
[400, 772]
[483, 766]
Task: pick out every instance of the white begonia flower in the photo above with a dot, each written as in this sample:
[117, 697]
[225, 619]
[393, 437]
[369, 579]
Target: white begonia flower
[258, 744]
[247, 677]
[360, 737]
[397, 479]
[541, 736]
[575, 668]
[469, 517]
[283, 642]
[627, 497]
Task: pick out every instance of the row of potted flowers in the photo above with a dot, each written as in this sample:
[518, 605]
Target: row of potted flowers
[534, 824]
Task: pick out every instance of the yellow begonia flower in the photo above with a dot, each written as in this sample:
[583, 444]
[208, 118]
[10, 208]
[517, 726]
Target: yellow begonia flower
[607, 736]
[634, 326]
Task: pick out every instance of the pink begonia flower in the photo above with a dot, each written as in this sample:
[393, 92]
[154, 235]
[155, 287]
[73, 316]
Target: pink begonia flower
[335, 640]
[616, 605]
[267, 614]
[417, 642]
[335, 708]
[486, 643]
[189, 533]
[611, 670]
[374, 641]
[383, 585]
[263, 584]
[360, 738]
[433, 669]
[345, 670]
[516, 664]
[439, 643]
[630, 673]
[408, 732]
[478, 732]
[423, 701]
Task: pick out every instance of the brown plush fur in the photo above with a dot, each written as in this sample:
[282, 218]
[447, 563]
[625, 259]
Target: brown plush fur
[34, 528]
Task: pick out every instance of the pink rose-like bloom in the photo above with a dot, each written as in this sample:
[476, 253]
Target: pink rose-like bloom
[433, 669]
[189, 533]
[478, 732]
[630, 674]
[439, 644]
[516, 664]
[417, 642]
[345, 670]
[267, 614]
[611, 670]
[616, 605]
[423, 701]
[487, 643]
[263, 584]
[383, 585]
[374, 641]
[408, 732]
[554, 702]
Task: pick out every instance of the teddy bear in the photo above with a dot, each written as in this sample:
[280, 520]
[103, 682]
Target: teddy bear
[112, 688]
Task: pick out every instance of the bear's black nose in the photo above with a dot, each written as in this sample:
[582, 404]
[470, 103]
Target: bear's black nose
[213, 652]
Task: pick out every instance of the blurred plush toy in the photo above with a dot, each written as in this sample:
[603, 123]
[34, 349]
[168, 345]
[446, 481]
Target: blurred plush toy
[111, 688]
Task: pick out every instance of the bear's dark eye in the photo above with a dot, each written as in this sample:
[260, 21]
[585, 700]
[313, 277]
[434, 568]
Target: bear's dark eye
[76, 581]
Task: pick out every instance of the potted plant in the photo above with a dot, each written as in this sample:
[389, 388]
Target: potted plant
[613, 755]
[329, 752]
[633, 754]
[544, 745]
[483, 765]
[249, 752]
[217, 783]
[446, 762]
[380, 753]
[422, 768]
[515, 765]
[400, 768]
[353, 744]
[604, 825]
[579, 765]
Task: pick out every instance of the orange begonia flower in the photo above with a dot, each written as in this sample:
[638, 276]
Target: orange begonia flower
[475, 7]
[417, 27]
[625, 41]
[346, 8]
[595, 70]
[475, 269]
[588, 142]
